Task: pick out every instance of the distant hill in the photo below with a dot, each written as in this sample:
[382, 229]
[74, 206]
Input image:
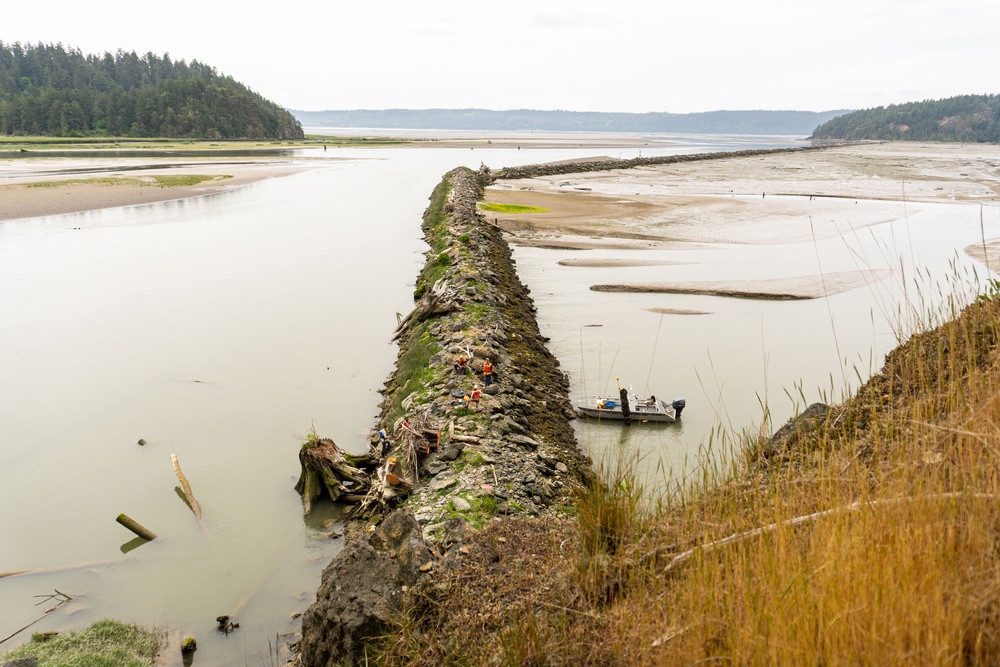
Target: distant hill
[50, 90]
[711, 122]
[974, 118]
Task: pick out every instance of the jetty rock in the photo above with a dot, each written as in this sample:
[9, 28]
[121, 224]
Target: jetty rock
[363, 588]
[457, 443]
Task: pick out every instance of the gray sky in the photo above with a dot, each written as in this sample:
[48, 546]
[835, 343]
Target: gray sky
[578, 55]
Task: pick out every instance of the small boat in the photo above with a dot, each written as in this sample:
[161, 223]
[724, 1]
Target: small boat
[649, 409]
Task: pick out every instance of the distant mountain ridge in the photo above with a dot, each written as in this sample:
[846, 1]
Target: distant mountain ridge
[973, 118]
[709, 122]
[51, 90]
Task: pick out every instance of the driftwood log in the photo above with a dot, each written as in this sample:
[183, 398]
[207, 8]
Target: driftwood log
[395, 478]
[326, 467]
[136, 527]
[192, 502]
[438, 300]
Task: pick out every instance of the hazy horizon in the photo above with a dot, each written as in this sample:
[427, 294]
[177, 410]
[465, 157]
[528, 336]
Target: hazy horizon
[579, 55]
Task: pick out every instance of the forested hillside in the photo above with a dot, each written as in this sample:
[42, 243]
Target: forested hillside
[48, 89]
[973, 118]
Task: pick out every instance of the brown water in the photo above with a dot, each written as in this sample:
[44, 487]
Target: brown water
[224, 328]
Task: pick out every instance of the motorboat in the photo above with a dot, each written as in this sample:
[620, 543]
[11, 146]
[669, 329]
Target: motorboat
[650, 409]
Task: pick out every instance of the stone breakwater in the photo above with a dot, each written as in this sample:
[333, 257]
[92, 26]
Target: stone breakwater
[536, 170]
[458, 464]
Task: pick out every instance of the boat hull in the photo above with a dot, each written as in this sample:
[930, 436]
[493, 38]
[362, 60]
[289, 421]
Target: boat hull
[650, 410]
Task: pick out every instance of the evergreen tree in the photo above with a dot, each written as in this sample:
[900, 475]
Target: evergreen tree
[974, 118]
[47, 89]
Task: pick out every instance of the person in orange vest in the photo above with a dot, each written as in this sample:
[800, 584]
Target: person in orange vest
[461, 364]
[487, 373]
[476, 395]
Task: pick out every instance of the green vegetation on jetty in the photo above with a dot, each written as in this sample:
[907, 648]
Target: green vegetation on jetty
[474, 425]
[973, 118]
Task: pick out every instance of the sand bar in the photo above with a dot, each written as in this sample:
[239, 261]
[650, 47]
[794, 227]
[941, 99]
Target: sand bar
[614, 262]
[87, 188]
[797, 287]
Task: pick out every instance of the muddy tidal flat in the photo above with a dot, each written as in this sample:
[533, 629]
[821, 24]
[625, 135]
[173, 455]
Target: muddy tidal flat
[780, 198]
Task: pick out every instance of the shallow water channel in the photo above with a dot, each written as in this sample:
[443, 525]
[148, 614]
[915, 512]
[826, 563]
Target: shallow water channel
[224, 328]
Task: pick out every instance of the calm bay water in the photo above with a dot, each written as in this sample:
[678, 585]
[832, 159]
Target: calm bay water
[224, 328]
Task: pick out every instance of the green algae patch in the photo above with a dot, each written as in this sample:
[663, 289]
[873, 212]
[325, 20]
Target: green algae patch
[163, 181]
[511, 208]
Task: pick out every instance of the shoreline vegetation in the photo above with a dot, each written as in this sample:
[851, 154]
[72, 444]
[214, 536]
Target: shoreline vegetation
[859, 533]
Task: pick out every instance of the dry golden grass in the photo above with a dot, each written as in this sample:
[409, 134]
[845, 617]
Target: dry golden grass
[871, 538]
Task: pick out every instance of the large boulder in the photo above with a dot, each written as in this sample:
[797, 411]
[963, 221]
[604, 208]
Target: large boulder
[362, 589]
[806, 428]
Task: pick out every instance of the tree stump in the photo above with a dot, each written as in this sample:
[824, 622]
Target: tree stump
[325, 467]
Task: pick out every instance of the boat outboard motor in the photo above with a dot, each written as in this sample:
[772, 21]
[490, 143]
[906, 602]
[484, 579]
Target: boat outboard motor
[626, 412]
[678, 405]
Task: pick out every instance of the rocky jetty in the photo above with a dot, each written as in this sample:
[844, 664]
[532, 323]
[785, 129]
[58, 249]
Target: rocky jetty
[455, 447]
[579, 167]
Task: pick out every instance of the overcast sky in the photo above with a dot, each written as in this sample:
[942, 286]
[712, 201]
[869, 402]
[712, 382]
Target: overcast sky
[578, 55]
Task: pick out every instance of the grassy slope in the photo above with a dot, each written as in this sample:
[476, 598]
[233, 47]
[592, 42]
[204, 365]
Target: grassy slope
[893, 558]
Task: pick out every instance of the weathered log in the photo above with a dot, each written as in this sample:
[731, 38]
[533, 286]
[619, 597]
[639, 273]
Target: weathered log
[396, 478]
[188, 493]
[438, 300]
[136, 527]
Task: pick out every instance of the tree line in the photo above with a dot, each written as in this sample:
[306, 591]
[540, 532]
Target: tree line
[968, 118]
[51, 90]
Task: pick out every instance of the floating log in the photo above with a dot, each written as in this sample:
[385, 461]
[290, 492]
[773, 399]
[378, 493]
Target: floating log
[188, 493]
[136, 527]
